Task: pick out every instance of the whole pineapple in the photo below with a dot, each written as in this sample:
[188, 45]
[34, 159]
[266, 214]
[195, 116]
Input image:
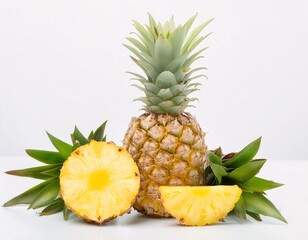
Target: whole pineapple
[166, 142]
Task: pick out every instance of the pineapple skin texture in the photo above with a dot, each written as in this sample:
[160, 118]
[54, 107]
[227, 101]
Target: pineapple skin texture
[169, 151]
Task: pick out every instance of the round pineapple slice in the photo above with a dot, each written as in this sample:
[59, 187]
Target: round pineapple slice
[199, 206]
[99, 182]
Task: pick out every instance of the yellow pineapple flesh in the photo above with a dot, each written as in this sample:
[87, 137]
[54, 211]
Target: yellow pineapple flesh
[169, 150]
[99, 182]
[199, 206]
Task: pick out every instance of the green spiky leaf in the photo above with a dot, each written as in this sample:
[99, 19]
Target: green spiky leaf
[218, 152]
[257, 203]
[99, 134]
[214, 158]
[240, 208]
[219, 171]
[66, 212]
[64, 148]
[28, 196]
[194, 34]
[254, 215]
[54, 207]
[36, 172]
[54, 172]
[90, 137]
[47, 157]
[247, 171]
[78, 136]
[245, 155]
[257, 184]
[46, 195]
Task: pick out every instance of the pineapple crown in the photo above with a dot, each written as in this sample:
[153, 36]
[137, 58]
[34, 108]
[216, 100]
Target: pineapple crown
[241, 169]
[165, 53]
[47, 193]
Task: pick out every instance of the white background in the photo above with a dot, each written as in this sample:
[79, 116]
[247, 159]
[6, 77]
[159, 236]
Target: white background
[62, 63]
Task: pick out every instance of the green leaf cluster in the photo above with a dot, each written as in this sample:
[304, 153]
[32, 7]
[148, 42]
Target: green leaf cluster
[241, 169]
[46, 195]
[165, 53]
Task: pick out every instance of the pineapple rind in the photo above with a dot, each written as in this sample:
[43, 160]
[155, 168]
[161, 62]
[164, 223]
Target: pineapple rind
[199, 206]
[169, 150]
[95, 203]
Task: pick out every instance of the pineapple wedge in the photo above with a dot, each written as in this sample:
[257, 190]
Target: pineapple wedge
[99, 182]
[199, 206]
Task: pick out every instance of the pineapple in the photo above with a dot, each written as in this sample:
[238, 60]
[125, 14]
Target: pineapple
[199, 206]
[166, 142]
[46, 195]
[99, 182]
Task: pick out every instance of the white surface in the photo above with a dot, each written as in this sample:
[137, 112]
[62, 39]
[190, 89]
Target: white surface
[62, 63]
[291, 199]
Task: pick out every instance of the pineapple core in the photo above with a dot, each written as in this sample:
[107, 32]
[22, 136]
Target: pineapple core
[98, 179]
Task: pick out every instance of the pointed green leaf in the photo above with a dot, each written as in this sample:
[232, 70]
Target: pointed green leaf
[139, 45]
[145, 37]
[99, 133]
[140, 88]
[47, 157]
[240, 209]
[187, 75]
[177, 39]
[54, 207]
[153, 26]
[193, 58]
[90, 137]
[147, 68]
[46, 195]
[259, 204]
[209, 180]
[256, 184]
[66, 212]
[139, 80]
[254, 215]
[78, 136]
[194, 34]
[143, 100]
[218, 152]
[195, 77]
[245, 155]
[179, 99]
[165, 79]
[247, 171]
[64, 149]
[197, 42]
[214, 158]
[190, 21]
[134, 51]
[176, 64]
[28, 196]
[151, 87]
[35, 172]
[163, 51]
[54, 172]
[218, 171]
